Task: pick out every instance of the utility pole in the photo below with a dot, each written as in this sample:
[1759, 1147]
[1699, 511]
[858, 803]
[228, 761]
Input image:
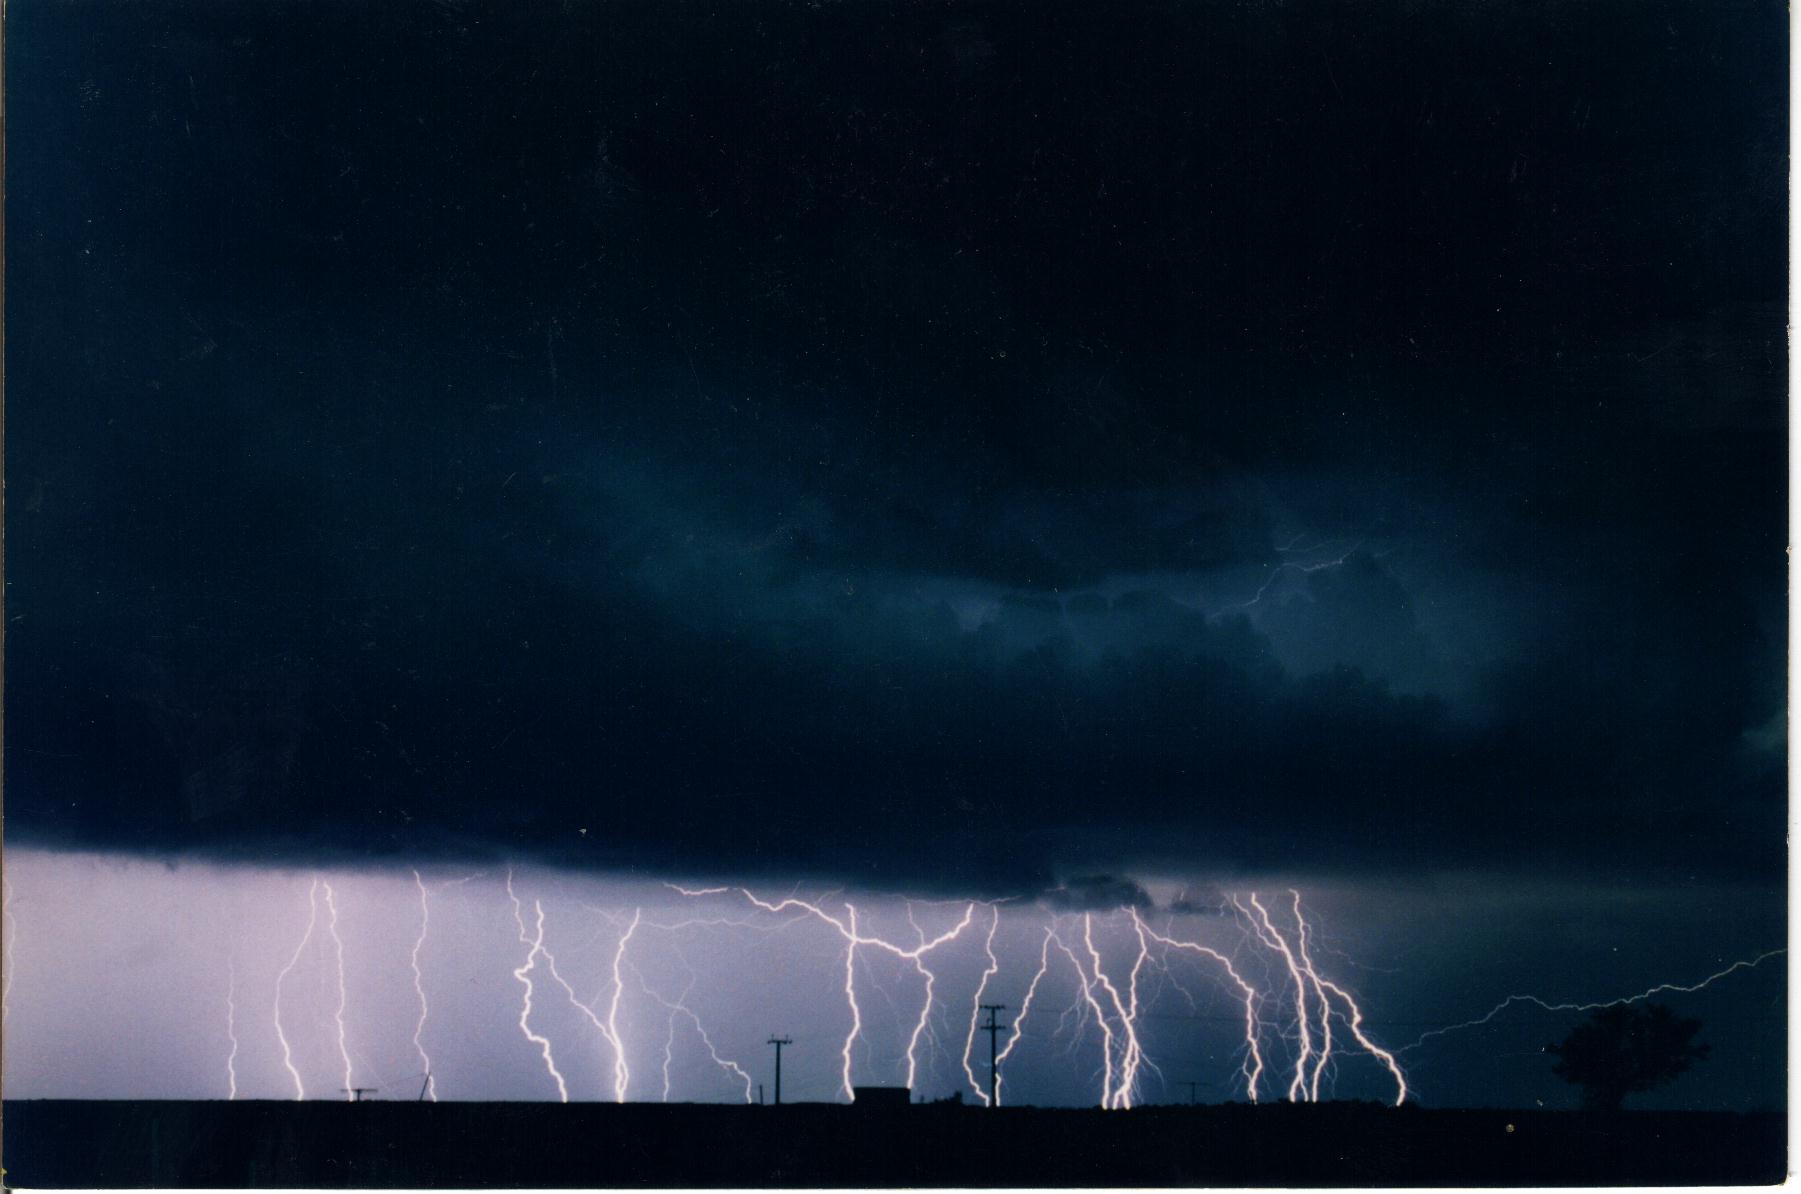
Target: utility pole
[1191, 1089]
[993, 1028]
[425, 1086]
[356, 1093]
[778, 1042]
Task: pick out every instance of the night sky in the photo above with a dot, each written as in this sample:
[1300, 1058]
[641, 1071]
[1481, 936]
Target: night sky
[939, 447]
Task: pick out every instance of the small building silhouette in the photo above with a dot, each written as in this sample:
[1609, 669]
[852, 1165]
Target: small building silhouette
[881, 1096]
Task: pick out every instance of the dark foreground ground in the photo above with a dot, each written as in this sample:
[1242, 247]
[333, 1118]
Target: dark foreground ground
[54, 1143]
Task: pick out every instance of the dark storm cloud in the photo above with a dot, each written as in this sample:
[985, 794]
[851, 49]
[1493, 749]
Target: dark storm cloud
[949, 447]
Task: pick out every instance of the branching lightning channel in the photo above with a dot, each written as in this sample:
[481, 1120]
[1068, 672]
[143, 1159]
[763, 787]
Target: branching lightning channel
[1019, 1021]
[1131, 1052]
[535, 943]
[1353, 1013]
[855, 939]
[287, 1053]
[931, 982]
[975, 1010]
[1272, 937]
[1546, 1005]
[1291, 566]
[431, 1087]
[1086, 988]
[1253, 1063]
[1319, 990]
[679, 1007]
[331, 905]
[1302, 1042]
[607, 1032]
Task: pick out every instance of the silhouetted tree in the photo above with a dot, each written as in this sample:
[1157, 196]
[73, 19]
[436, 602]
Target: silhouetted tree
[1622, 1050]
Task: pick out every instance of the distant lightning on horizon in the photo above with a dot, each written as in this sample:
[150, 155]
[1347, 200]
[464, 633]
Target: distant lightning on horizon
[1546, 1005]
[1294, 1029]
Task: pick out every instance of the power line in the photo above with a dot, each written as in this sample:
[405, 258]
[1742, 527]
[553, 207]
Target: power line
[778, 1042]
[993, 1028]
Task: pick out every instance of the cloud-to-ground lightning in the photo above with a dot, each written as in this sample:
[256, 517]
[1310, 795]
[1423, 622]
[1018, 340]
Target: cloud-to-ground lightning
[1319, 991]
[1019, 1021]
[1286, 1026]
[850, 997]
[679, 1007]
[231, 1027]
[1353, 1014]
[622, 1074]
[535, 943]
[1125, 1011]
[287, 1052]
[1272, 937]
[1086, 987]
[430, 1084]
[1253, 1063]
[607, 1029]
[1305, 1085]
[975, 1009]
[331, 905]
[854, 939]
[931, 982]
[1546, 1005]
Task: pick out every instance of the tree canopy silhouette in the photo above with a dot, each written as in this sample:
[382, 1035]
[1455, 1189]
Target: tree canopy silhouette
[1623, 1050]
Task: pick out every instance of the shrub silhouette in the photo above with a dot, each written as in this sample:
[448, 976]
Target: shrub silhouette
[1623, 1050]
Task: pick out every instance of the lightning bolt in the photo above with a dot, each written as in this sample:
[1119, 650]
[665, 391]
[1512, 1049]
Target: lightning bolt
[723, 1063]
[1659, 989]
[1290, 566]
[1272, 937]
[1131, 1053]
[431, 1086]
[1354, 1018]
[231, 1027]
[622, 1075]
[850, 997]
[931, 978]
[679, 1006]
[1381, 1055]
[1019, 1021]
[854, 939]
[607, 1028]
[287, 1054]
[1252, 1068]
[337, 942]
[975, 1012]
[1100, 1016]
[535, 943]
[586, 1009]
[1319, 990]
[668, 1049]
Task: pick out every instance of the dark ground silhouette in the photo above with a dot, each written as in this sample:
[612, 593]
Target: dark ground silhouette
[319, 1144]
